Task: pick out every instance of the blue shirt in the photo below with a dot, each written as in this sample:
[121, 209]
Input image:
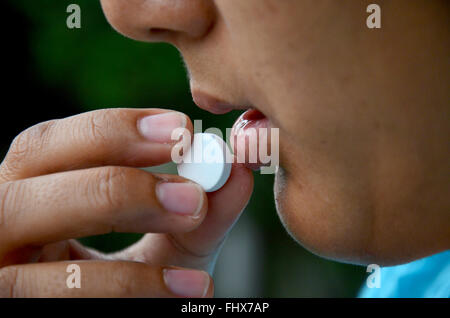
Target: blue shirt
[427, 277]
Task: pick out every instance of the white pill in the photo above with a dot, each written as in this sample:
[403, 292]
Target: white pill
[206, 162]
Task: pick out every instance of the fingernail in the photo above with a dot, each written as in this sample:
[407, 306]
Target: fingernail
[159, 127]
[187, 283]
[180, 198]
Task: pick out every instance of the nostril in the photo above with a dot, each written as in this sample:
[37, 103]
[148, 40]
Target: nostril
[160, 34]
[160, 20]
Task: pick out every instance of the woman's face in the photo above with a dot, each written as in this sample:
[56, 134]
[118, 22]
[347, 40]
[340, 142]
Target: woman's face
[362, 113]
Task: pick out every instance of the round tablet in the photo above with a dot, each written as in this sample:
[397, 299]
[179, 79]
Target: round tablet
[205, 162]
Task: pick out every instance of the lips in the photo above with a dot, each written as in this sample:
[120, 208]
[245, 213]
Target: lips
[249, 133]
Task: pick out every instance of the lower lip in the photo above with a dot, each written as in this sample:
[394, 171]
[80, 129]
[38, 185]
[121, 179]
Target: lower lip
[252, 118]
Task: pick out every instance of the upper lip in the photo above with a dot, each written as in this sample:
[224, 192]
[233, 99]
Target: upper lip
[213, 104]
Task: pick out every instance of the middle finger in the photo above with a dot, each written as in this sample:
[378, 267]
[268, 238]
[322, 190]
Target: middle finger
[119, 137]
[94, 201]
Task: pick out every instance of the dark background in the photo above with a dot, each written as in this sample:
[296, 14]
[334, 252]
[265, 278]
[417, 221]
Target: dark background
[50, 71]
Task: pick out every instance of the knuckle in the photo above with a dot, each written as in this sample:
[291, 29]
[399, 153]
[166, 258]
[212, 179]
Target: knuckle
[8, 198]
[28, 142]
[125, 282]
[131, 273]
[112, 184]
[98, 125]
[9, 278]
[4, 190]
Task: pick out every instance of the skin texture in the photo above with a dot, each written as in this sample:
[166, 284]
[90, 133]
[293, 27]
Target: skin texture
[364, 125]
[363, 114]
[92, 186]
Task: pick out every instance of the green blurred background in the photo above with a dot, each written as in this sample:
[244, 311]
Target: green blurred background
[51, 71]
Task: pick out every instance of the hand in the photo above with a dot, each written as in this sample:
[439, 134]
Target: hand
[75, 177]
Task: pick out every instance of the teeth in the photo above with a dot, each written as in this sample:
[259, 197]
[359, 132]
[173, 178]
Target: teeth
[253, 114]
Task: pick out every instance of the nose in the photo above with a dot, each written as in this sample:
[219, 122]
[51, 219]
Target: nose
[160, 20]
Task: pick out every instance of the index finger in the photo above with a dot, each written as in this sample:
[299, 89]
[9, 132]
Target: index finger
[116, 137]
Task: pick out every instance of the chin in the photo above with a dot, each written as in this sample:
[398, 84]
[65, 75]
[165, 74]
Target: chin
[333, 230]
